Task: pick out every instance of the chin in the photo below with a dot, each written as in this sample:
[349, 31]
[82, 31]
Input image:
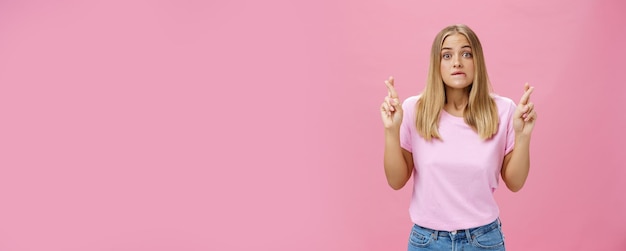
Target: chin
[458, 85]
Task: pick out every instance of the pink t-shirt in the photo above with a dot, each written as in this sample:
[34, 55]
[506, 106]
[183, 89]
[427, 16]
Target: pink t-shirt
[454, 179]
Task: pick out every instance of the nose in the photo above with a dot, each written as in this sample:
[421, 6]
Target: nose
[456, 62]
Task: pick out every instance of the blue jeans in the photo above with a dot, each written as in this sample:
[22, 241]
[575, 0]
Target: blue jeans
[487, 237]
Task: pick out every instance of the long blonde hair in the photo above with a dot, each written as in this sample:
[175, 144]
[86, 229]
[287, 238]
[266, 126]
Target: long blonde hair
[480, 113]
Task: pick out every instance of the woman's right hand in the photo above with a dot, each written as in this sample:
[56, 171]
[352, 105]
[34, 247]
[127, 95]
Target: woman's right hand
[391, 108]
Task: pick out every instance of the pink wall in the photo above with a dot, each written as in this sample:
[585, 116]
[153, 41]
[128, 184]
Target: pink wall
[254, 125]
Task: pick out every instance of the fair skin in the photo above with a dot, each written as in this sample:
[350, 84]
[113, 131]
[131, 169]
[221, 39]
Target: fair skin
[397, 161]
[457, 72]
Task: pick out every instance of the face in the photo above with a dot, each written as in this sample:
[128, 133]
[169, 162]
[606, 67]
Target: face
[457, 62]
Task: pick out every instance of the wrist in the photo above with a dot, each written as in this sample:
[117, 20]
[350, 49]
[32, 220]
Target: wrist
[392, 131]
[522, 138]
[392, 136]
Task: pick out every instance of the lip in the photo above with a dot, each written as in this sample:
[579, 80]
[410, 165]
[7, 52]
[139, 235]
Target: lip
[458, 73]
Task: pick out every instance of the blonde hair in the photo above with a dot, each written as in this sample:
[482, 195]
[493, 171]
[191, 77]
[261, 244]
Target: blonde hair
[480, 113]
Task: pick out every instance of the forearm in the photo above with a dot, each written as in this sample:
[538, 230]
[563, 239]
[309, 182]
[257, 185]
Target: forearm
[396, 168]
[516, 170]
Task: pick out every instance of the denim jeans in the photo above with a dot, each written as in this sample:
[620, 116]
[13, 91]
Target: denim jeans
[487, 237]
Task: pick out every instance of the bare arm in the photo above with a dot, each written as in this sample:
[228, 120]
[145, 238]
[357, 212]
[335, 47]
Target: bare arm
[517, 163]
[397, 161]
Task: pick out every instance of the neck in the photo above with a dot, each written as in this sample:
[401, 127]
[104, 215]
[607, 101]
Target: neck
[457, 99]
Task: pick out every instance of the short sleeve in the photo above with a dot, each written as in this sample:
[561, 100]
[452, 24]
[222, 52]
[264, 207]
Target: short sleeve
[408, 124]
[510, 132]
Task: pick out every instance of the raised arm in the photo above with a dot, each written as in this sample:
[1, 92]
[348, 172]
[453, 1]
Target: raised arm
[517, 163]
[397, 161]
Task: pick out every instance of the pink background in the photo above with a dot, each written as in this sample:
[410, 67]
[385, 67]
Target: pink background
[254, 125]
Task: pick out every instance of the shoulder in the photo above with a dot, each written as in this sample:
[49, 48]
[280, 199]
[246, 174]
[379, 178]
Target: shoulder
[502, 102]
[505, 105]
[410, 101]
[410, 104]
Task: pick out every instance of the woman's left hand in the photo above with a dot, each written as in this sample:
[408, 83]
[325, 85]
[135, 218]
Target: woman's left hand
[525, 115]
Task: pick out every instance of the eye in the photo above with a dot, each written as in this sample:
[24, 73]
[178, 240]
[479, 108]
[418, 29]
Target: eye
[446, 56]
[467, 54]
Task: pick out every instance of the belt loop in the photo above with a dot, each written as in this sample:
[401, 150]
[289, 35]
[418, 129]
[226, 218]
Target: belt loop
[436, 233]
[468, 235]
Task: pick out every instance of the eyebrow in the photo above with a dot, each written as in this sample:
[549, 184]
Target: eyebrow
[448, 48]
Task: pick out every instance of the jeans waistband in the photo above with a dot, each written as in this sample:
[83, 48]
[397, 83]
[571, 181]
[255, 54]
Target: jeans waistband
[462, 233]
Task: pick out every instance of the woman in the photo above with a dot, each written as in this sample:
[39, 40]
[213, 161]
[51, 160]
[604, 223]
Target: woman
[455, 138]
